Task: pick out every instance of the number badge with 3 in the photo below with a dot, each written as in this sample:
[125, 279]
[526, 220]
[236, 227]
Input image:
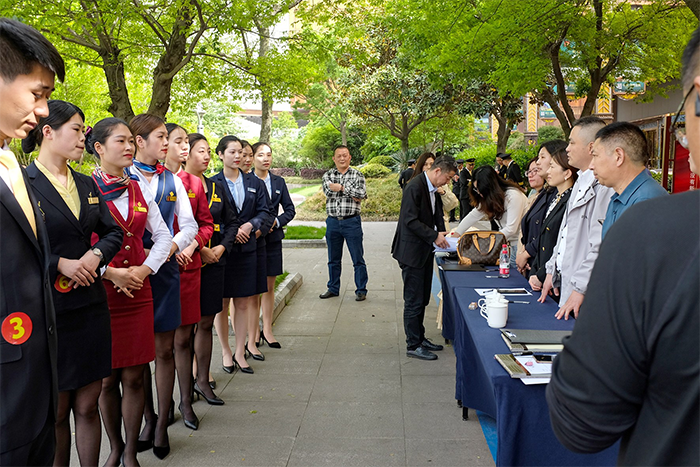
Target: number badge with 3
[17, 328]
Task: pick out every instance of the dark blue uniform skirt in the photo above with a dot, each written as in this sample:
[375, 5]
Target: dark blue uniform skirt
[274, 258]
[240, 279]
[212, 291]
[166, 297]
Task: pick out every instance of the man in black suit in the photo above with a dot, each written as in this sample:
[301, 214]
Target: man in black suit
[500, 165]
[465, 176]
[513, 172]
[421, 224]
[28, 382]
[456, 188]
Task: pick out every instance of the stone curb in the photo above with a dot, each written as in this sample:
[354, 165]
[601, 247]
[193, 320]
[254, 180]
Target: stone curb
[285, 291]
[310, 243]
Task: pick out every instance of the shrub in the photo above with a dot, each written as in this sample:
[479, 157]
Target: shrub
[311, 174]
[548, 133]
[283, 171]
[375, 170]
[402, 158]
[386, 161]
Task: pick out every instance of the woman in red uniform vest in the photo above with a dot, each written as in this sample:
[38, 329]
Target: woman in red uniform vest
[190, 268]
[127, 283]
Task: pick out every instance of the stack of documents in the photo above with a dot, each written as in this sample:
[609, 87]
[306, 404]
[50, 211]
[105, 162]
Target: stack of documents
[532, 353]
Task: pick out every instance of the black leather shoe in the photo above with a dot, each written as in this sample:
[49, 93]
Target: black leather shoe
[215, 401]
[328, 294]
[256, 356]
[244, 369]
[228, 369]
[421, 353]
[427, 345]
[161, 452]
[360, 296]
[191, 424]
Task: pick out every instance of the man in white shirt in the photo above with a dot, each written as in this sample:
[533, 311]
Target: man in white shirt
[573, 257]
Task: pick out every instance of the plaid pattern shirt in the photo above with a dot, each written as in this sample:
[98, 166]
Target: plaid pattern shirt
[341, 203]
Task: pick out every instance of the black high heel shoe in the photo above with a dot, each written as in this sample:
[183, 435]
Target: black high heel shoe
[246, 369]
[260, 357]
[272, 345]
[145, 445]
[229, 369]
[161, 452]
[171, 412]
[211, 401]
[191, 424]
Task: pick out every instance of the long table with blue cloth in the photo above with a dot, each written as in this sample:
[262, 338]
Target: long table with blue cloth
[525, 435]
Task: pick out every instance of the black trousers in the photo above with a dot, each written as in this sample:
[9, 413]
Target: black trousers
[464, 208]
[38, 452]
[417, 284]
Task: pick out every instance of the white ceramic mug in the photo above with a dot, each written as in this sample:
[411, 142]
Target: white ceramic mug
[496, 314]
[493, 297]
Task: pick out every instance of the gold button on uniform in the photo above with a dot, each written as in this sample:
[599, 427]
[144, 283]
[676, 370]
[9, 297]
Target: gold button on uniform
[126, 261]
[127, 248]
[129, 234]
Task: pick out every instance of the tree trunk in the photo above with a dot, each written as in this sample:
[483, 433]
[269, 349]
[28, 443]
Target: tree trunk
[263, 49]
[344, 132]
[694, 6]
[502, 134]
[113, 66]
[266, 126]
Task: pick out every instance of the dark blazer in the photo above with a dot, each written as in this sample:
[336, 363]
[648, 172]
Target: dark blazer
[256, 207]
[513, 173]
[70, 237]
[405, 177]
[280, 196]
[548, 237]
[415, 232]
[28, 382]
[531, 224]
[464, 178]
[224, 216]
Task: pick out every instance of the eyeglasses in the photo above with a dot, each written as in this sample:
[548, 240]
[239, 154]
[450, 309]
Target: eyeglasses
[679, 132]
[532, 172]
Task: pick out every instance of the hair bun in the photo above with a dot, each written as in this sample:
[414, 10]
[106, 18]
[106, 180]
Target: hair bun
[29, 143]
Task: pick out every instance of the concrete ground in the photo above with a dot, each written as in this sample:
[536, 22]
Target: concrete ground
[341, 391]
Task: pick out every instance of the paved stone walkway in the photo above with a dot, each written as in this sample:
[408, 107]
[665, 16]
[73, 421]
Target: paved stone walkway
[341, 391]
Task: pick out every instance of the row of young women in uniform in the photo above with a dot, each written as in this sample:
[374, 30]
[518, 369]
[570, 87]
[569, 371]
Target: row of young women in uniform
[144, 253]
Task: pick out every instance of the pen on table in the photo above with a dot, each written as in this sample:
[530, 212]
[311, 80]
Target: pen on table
[518, 301]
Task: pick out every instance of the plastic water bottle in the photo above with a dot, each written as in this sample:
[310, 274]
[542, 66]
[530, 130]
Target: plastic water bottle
[504, 263]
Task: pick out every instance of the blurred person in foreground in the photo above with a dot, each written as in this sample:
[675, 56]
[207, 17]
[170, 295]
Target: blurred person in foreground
[630, 370]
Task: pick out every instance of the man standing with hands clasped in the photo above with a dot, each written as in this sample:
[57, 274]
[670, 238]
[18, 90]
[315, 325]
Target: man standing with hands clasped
[344, 188]
[421, 226]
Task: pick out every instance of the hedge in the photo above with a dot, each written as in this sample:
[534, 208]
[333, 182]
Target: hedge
[375, 170]
[283, 171]
[386, 161]
[312, 174]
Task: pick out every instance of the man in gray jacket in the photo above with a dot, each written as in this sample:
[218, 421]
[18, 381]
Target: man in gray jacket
[570, 265]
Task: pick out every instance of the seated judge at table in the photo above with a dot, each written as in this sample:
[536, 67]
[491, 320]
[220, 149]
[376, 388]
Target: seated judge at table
[497, 200]
[420, 225]
[630, 370]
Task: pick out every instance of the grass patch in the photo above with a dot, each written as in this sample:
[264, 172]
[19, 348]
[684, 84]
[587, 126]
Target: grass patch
[303, 181]
[383, 202]
[304, 232]
[280, 278]
[306, 191]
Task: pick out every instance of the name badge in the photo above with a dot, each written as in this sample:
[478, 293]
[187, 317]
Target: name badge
[277, 192]
[217, 227]
[171, 197]
[139, 208]
[252, 190]
[190, 194]
[93, 200]
[215, 199]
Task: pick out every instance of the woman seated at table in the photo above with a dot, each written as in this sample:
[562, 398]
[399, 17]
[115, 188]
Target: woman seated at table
[497, 200]
[560, 176]
[537, 205]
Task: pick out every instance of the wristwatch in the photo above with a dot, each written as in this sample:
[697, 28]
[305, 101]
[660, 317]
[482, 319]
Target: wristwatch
[97, 252]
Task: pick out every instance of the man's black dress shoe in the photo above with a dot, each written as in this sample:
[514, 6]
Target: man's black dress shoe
[360, 296]
[421, 353]
[427, 345]
[328, 294]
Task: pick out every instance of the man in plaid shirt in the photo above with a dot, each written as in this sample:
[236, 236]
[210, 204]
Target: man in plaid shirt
[344, 188]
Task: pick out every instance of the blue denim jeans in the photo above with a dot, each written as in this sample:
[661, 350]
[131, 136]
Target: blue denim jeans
[350, 231]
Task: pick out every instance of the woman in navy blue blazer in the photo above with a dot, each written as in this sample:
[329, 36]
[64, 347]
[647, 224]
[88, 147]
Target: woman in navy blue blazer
[279, 196]
[73, 212]
[248, 197]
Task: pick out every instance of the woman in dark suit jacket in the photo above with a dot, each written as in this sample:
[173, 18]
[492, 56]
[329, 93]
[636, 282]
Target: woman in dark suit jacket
[279, 196]
[247, 195]
[560, 176]
[72, 212]
[531, 223]
[213, 263]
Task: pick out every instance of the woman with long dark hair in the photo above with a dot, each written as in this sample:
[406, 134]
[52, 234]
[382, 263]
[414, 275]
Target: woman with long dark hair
[497, 200]
[214, 255]
[190, 268]
[561, 176]
[128, 285]
[279, 196]
[247, 195]
[531, 224]
[73, 212]
[151, 138]
[423, 164]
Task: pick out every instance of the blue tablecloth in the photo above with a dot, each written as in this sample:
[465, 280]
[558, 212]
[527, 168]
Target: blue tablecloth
[525, 435]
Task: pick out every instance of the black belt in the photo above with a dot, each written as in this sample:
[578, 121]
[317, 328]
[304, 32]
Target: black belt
[342, 218]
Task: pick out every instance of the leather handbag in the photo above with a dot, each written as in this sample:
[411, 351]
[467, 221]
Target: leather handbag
[480, 247]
